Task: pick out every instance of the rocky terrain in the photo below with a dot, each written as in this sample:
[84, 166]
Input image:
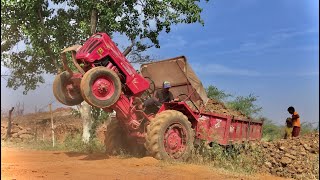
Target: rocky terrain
[296, 158]
[37, 126]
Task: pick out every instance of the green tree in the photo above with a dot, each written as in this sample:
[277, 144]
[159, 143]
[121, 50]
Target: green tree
[270, 131]
[245, 104]
[48, 26]
[214, 93]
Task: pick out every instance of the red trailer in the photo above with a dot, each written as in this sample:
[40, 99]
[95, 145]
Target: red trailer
[212, 127]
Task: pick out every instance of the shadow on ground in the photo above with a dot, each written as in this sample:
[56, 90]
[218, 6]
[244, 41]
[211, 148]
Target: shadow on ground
[93, 156]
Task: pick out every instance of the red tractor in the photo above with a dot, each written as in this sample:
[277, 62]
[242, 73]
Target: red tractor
[106, 79]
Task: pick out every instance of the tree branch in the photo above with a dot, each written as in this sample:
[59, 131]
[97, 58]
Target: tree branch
[129, 48]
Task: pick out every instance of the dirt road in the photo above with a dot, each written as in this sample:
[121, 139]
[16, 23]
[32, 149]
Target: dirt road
[31, 164]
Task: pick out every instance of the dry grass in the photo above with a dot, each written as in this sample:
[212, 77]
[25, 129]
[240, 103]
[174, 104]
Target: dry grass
[71, 143]
[237, 158]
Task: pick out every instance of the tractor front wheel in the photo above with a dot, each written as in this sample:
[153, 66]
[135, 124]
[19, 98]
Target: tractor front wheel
[65, 90]
[170, 136]
[100, 87]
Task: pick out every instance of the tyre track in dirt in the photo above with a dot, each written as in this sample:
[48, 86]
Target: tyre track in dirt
[32, 164]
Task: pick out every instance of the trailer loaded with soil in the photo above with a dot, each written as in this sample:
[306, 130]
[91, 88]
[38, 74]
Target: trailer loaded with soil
[105, 79]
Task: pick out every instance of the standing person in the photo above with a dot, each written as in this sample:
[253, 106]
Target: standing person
[295, 121]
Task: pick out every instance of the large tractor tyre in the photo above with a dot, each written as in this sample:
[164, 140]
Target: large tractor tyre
[170, 136]
[64, 90]
[116, 141]
[100, 87]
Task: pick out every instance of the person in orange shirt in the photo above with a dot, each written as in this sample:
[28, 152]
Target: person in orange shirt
[295, 121]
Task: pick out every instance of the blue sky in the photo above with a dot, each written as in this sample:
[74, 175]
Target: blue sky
[268, 48]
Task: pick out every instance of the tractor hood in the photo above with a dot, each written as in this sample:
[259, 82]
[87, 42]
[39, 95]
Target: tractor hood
[179, 73]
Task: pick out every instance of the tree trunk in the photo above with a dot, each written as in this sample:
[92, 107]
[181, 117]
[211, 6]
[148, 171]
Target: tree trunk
[85, 108]
[9, 124]
[85, 111]
[94, 19]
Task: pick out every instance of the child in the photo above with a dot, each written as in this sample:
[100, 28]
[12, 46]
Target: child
[295, 121]
[288, 128]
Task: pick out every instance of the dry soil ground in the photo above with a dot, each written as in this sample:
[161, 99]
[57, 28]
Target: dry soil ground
[17, 163]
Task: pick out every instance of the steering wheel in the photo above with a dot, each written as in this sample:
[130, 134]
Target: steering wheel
[152, 86]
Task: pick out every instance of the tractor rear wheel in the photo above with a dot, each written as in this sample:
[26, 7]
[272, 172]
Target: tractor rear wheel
[65, 91]
[170, 136]
[100, 87]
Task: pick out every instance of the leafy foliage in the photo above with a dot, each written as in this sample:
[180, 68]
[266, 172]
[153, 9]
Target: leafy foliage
[270, 131]
[214, 93]
[75, 144]
[48, 26]
[236, 158]
[307, 127]
[245, 104]
[99, 116]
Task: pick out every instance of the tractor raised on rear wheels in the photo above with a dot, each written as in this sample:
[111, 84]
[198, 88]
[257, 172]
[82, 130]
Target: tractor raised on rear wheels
[105, 79]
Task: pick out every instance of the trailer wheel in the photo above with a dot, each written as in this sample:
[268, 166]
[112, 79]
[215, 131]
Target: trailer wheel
[170, 136]
[65, 91]
[100, 87]
[116, 141]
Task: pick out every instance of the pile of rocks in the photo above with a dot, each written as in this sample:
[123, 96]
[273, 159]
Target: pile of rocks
[296, 158]
[18, 133]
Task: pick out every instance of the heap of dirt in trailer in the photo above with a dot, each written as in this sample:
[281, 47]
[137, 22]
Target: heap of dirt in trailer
[219, 108]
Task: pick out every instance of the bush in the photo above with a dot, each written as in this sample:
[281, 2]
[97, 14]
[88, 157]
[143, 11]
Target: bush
[240, 158]
[216, 94]
[75, 144]
[270, 131]
[245, 105]
[307, 128]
